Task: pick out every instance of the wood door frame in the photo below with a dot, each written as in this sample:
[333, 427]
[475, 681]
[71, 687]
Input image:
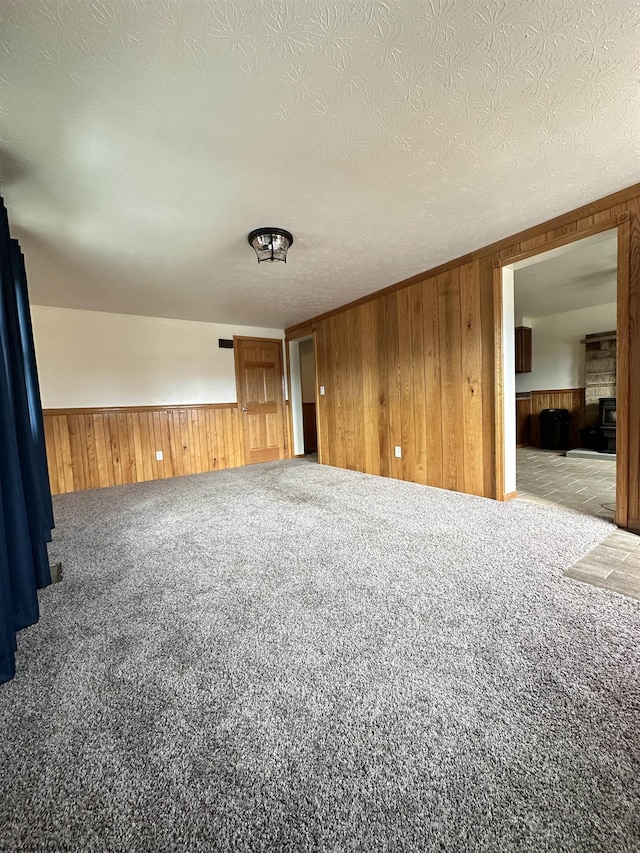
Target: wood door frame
[238, 392]
[622, 225]
[303, 333]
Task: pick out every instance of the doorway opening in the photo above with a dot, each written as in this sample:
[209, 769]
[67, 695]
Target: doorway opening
[560, 371]
[304, 422]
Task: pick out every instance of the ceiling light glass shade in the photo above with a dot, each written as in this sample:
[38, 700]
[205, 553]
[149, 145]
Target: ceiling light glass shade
[270, 244]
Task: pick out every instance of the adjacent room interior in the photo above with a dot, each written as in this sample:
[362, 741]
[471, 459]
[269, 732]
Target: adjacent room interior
[274, 573]
[302, 361]
[565, 316]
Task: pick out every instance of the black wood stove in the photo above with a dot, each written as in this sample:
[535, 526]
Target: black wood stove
[608, 423]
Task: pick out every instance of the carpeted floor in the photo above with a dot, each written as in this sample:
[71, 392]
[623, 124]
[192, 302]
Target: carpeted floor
[291, 657]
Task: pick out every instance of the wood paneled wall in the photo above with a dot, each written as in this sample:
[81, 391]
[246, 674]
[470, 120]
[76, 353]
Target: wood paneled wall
[406, 370]
[93, 448]
[571, 399]
[414, 365]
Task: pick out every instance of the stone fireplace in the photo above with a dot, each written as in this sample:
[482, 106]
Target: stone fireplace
[600, 373]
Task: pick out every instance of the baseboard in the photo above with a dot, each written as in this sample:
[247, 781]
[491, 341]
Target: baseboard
[510, 496]
[633, 524]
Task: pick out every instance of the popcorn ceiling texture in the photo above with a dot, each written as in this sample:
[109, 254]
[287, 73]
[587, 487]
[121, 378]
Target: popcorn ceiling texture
[292, 657]
[143, 139]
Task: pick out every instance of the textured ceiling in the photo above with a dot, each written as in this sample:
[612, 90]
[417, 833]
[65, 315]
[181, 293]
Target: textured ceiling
[580, 275]
[143, 140]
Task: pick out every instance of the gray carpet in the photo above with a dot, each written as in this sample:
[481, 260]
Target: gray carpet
[291, 657]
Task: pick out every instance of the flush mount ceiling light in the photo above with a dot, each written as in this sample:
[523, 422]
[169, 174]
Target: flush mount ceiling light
[271, 244]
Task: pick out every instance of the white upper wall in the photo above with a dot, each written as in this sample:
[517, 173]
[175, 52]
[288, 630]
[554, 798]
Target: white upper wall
[557, 354]
[93, 359]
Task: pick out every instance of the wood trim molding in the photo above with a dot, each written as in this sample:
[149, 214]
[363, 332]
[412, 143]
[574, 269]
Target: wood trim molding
[498, 367]
[556, 391]
[251, 338]
[105, 410]
[623, 389]
[317, 379]
[558, 222]
[510, 496]
[564, 240]
[289, 406]
[301, 332]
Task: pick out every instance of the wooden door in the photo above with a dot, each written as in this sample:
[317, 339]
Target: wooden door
[259, 380]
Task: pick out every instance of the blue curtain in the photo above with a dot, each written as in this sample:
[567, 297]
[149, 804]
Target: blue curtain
[26, 514]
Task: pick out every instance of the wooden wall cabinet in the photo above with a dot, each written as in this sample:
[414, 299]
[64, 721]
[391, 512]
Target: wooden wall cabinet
[523, 349]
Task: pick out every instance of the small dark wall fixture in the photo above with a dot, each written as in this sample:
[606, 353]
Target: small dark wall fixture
[225, 343]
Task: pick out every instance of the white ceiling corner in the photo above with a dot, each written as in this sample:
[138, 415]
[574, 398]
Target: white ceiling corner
[143, 139]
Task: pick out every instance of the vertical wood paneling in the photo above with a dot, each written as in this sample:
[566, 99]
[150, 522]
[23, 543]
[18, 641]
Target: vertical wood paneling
[486, 320]
[571, 399]
[433, 396]
[355, 390]
[380, 314]
[472, 378]
[65, 454]
[90, 449]
[407, 379]
[345, 345]
[50, 444]
[418, 400]
[417, 363]
[451, 380]
[370, 389]
[393, 386]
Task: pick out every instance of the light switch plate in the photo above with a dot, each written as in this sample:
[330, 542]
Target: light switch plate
[322, 390]
[398, 452]
[159, 456]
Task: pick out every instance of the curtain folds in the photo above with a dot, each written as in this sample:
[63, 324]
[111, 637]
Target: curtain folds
[26, 514]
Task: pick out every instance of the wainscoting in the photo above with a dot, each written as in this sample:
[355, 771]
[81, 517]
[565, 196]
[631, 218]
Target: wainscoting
[571, 399]
[94, 448]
